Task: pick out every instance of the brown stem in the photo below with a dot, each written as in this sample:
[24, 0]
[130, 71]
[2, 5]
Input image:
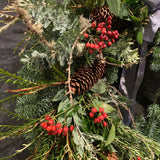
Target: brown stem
[69, 66]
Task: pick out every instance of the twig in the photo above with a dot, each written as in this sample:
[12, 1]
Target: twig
[47, 153]
[69, 66]
[126, 108]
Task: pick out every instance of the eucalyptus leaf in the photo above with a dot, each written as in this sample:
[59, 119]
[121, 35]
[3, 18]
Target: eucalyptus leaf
[111, 136]
[114, 6]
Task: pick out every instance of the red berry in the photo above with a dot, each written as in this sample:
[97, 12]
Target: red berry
[100, 25]
[103, 31]
[99, 120]
[109, 22]
[85, 35]
[116, 32]
[91, 114]
[65, 129]
[71, 128]
[96, 120]
[138, 158]
[100, 43]
[109, 18]
[94, 24]
[58, 125]
[109, 43]
[101, 117]
[96, 46]
[113, 40]
[101, 110]
[54, 128]
[98, 29]
[104, 46]
[105, 115]
[106, 39]
[44, 125]
[116, 36]
[90, 51]
[49, 128]
[47, 117]
[51, 122]
[65, 133]
[88, 45]
[92, 45]
[94, 110]
[109, 27]
[101, 37]
[104, 123]
[109, 33]
[59, 131]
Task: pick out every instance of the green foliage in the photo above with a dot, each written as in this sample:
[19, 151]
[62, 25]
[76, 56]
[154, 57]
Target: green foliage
[150, 125]
[114, 6]
[155, 65]
[52, 56]
[123, 52]
[128, 141]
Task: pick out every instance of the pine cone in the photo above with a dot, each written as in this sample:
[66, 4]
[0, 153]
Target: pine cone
[100, 14]
[86, 77]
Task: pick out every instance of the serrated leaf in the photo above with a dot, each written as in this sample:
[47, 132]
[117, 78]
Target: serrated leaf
[99, 87]
[114, 6]
[111, 136]
[59, 96]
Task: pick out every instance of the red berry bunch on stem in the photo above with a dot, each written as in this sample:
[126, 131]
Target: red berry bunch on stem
[103, 38]
[102, 116]
[55, 129]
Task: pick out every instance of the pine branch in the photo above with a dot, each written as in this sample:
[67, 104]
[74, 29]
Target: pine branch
[13, 78]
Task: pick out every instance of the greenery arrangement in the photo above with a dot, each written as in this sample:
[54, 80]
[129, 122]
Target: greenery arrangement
[66, 94]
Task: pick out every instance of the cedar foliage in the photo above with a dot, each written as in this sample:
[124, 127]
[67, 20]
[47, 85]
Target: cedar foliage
[53, 51]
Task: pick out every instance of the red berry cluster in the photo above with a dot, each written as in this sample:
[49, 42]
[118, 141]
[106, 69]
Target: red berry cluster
[105, 38]
[55, 129]
[101, 117]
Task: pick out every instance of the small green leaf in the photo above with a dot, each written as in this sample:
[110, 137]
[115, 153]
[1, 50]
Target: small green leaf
[114, 6]
[99, 87]
[139, 35]
[72, 111]
[135, 19]
[107, 108]
[111, 136]
[112, 60]
[59, 96]
[63, 105]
